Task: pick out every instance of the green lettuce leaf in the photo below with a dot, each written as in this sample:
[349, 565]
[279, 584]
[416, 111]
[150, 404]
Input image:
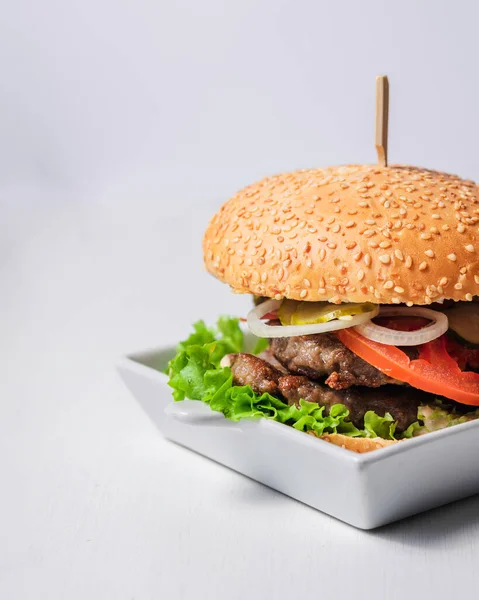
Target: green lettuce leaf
[231, 333]
[376, 426]
[413, 430]
[200, 336]
[436, 417]
[261, 345]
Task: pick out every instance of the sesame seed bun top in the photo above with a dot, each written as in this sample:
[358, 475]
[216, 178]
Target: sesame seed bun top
[350, 234]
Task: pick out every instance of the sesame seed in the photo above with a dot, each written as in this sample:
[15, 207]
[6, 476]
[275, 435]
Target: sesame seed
[425, 236]
[423, 266]
[369, 233]
[398, 254]
[399, 290]
[445, 227]
[458, 286]
[443, 282]
[396, 300]
[470, 248]
[436, 216]
[385, 259]
[388, 285]
[367, 260]
[357, 256]
[303, 293]
[306, 283]
[469, 297]
[452, 257]
[360, 275]
[385, 245]
[336, 228]
[322, 254]
[429, 253]
[321, 290]
[370, 222]
[461, 228]
[476, 279]
[350, 224]
[331, 245]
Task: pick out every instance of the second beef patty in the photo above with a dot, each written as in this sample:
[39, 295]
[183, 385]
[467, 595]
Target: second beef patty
[263, 377]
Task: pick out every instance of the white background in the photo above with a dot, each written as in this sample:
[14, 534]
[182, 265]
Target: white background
[123, 126]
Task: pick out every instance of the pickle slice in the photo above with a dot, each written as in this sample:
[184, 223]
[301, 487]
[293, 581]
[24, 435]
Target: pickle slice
[292, 312]
[286, 311]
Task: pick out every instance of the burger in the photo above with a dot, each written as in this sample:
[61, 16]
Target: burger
[365, 282]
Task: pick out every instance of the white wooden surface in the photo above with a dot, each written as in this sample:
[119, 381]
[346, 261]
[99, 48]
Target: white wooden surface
[94, 503]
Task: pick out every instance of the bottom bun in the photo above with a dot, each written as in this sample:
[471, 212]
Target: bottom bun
[357, 444]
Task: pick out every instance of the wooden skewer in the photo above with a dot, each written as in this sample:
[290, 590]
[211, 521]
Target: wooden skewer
[382, 114]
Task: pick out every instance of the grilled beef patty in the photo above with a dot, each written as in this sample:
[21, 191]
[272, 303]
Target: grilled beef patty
[263, 377]
[253, 371]
[397, 401]
[324, 355]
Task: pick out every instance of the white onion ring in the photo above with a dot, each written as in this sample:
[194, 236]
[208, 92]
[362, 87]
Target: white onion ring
[261, 329]
[391, 337]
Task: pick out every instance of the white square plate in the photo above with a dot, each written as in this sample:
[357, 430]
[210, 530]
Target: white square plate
[365, 490]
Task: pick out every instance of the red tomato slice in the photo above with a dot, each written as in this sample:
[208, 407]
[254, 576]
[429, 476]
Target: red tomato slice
[270, 316]
[435, 371]
[462, 355]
